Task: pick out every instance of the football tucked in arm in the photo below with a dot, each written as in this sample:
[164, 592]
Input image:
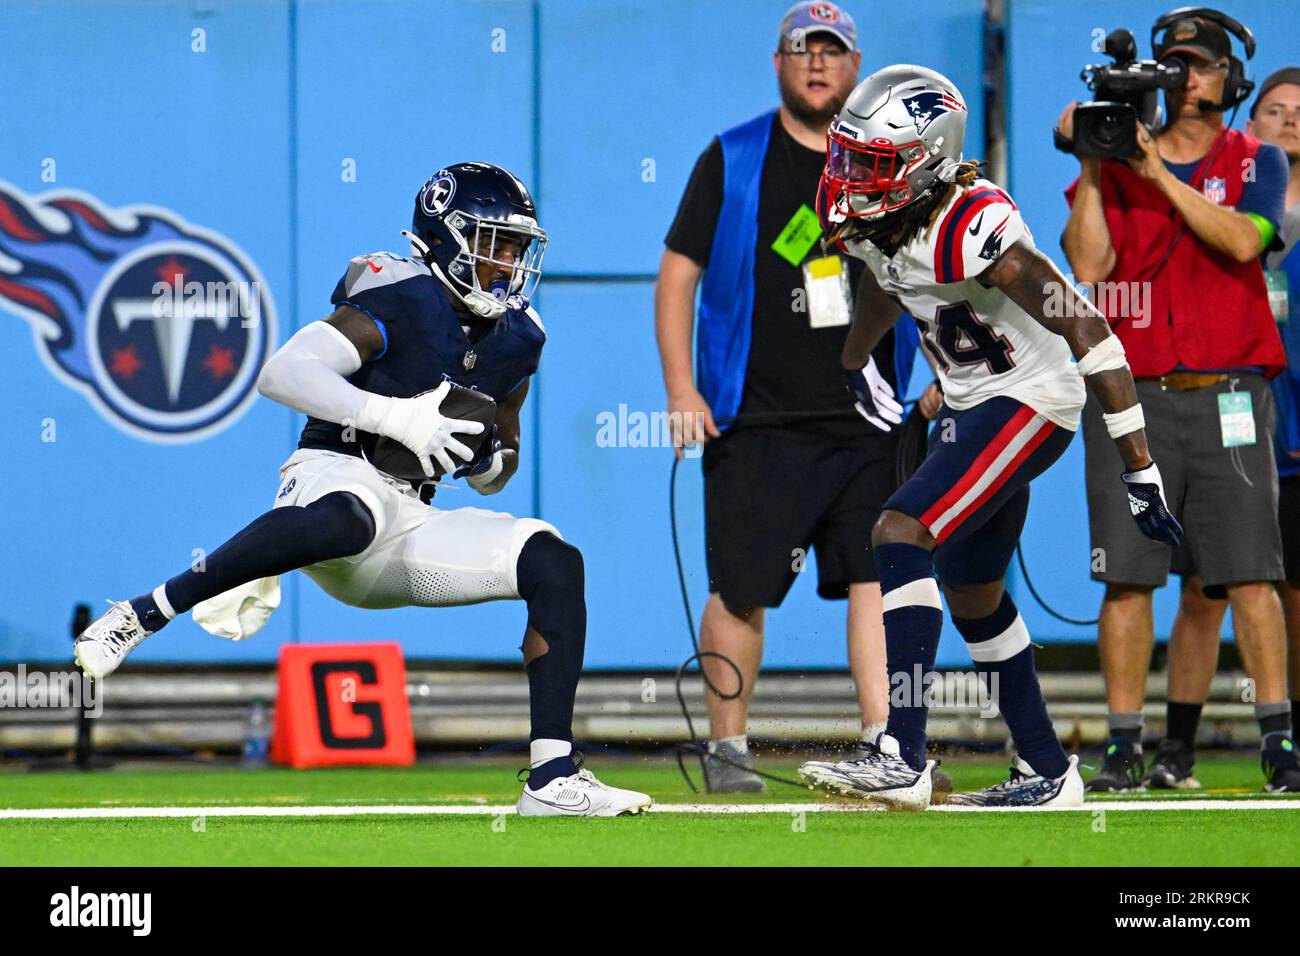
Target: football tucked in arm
[394, 458]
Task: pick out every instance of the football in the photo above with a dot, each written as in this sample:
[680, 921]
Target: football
[393, 458]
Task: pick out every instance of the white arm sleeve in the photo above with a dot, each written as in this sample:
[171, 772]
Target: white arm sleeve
[309, 372]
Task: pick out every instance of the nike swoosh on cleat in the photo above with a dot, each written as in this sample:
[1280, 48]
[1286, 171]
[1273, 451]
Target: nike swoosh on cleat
[566, 807]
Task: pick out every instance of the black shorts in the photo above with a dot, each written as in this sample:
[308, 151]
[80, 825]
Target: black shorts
[771, 495]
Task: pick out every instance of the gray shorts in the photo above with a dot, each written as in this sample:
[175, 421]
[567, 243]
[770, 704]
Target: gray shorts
[1225, 498]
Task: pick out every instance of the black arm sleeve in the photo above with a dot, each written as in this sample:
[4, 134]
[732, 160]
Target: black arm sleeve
[692, 230]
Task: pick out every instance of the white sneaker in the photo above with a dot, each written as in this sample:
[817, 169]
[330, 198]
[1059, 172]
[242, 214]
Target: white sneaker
[1025, 788]
[876, 773]
[104, 645]
[580, 795]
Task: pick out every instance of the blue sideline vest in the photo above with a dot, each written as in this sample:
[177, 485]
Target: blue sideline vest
[1286, 386]
[726, 310]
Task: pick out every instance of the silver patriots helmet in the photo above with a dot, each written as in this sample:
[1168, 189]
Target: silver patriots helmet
[900, 131]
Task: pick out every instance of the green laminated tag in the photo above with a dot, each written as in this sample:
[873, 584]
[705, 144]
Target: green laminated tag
[1236, 419]
[1278, 301]
[798, 236]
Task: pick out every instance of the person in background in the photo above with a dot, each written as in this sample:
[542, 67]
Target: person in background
[1183, 220]
[788, 464]
[1194, 643]
[1275, 118]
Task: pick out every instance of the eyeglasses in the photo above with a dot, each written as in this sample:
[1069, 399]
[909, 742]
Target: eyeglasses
[1207, 71]
[831, 57]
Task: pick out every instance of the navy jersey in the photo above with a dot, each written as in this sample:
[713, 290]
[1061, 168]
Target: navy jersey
[424, 343]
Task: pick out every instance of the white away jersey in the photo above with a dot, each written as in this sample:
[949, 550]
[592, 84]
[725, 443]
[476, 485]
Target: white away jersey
[984, 344]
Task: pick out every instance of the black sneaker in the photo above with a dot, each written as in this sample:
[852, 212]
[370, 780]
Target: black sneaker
[1121, 769]
[1172, 767]
[1280, 763]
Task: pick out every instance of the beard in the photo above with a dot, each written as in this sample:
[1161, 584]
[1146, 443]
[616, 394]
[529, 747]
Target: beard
[804, 111]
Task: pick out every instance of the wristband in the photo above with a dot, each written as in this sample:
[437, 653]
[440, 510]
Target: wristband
[1121, 423]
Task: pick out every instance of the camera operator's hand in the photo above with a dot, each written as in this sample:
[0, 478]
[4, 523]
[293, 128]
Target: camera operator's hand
[1065, 138]
[1065, 124]
[1148, 163]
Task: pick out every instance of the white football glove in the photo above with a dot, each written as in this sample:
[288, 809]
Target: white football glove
[417, 424]
[875, 396]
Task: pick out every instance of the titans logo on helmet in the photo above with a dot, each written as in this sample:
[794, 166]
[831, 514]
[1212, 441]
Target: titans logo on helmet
[927, 106]
[161, 324]
[437, 192]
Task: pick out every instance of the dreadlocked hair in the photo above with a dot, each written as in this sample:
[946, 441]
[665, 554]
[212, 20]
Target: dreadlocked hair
[891, 232]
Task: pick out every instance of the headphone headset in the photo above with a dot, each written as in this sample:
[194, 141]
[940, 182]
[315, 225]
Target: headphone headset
[1236, 88]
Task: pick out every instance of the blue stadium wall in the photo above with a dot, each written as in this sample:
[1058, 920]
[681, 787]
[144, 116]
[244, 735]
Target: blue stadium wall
[604, 108]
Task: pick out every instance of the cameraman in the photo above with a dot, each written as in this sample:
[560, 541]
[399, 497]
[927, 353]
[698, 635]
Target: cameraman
[1183, 224]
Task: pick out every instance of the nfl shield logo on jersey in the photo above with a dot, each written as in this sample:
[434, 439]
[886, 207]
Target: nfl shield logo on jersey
[470, 358]
[162, 325]
[1215, 189]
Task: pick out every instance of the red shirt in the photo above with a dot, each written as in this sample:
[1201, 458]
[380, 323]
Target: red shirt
[1204, 310]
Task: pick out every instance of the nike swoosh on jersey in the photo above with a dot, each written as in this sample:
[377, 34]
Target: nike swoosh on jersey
[975, 227]
[373, 267]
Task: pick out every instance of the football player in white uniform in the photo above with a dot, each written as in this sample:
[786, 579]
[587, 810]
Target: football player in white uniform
[378, 368]
[952, 250]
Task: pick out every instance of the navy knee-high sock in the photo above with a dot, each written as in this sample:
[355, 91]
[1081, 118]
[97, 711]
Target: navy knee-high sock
[1004, 658]
[913, 620]
[334, 526]
[552, 581]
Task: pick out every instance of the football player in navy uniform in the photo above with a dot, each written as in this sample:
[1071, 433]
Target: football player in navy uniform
[404, 331]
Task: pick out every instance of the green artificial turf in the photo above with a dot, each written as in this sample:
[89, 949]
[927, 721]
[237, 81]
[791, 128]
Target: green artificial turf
[1086, 837]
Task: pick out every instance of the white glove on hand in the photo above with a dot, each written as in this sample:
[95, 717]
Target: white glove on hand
[875, 397]
[417, 424]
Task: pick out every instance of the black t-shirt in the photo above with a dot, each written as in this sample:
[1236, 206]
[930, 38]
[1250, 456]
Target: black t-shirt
[793, 368]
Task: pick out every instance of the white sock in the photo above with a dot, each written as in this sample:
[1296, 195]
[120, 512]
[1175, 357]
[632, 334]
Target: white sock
[739, 743]
[872, 731]
[164, 605]
[540, 751]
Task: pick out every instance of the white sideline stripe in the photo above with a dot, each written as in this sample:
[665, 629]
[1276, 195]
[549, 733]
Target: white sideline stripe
[188, 813]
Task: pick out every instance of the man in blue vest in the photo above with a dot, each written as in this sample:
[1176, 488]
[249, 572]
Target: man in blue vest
[788, 463]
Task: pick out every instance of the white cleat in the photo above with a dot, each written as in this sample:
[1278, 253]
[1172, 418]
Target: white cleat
[875, 773]
[1025, 788]
[580, 795]
[100, 648]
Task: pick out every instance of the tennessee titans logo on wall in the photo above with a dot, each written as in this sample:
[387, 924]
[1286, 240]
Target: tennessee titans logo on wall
[927, 106]
[161, 324]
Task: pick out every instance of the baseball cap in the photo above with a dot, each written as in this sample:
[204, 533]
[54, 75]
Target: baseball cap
[1288, 74]
[817, 16]
[1197, 36]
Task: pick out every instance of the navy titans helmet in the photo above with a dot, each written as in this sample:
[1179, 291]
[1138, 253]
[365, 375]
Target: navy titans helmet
[473, 213]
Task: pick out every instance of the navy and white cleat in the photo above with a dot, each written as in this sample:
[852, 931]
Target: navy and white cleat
[581, 795]
[101, 647]
[875, 773]
[1024, 788]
